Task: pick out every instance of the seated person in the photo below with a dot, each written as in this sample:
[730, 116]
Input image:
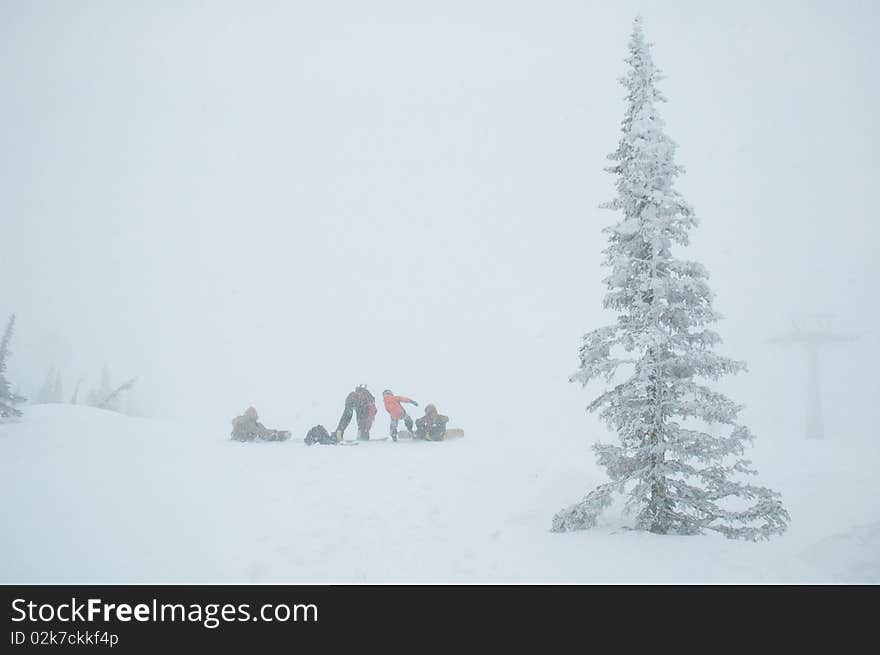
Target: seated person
[247, 428]
[432, 426]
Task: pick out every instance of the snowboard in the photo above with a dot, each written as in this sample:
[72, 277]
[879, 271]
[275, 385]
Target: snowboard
[355, 442]
[451, 433]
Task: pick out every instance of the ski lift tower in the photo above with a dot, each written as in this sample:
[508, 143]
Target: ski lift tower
[813, 331]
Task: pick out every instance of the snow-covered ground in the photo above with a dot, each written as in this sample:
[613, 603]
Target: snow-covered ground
[93, 496]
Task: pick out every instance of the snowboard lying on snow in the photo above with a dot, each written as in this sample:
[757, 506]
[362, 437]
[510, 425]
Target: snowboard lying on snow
[355, 442]
[451, 433]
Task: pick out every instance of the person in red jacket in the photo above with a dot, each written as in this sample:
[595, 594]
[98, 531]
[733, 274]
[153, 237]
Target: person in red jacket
[395, 408]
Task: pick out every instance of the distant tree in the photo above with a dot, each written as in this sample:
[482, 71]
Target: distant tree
[46, 392]
[8, 399]
[98, 394]
[75, 397]
[112, 400]
[678, 473]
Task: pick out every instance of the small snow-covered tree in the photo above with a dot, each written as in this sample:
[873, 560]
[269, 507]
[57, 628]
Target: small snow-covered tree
[52, 389]
[106, 396]
[98, 394]
[113, 399]
[8, 399]
[75, 397]
[678, 472]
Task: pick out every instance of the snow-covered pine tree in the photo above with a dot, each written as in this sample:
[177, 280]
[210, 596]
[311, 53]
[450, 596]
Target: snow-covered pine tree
[678, 474]
[8, 399]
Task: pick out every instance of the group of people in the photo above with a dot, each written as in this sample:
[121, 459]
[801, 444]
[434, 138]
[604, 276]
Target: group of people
[360, 404]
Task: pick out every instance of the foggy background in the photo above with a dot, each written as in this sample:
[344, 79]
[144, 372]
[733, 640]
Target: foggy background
[268, 203]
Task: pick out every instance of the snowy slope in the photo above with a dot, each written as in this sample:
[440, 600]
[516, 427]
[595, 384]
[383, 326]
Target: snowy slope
[92, 496]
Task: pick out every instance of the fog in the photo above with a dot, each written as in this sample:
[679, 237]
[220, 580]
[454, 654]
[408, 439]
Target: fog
[268, 203]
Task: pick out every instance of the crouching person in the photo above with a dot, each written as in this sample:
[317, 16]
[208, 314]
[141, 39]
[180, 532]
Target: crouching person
[319, 434]
[361, 403]
[247, 428]
[432, 426]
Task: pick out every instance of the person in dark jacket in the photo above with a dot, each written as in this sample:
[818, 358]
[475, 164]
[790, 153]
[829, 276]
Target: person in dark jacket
[361, 403]
[432, 426]
[319, 434]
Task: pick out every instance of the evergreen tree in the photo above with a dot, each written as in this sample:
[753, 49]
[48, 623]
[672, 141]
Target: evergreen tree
[112, 400]
[8, 399]
[678, 474]
[106, 396]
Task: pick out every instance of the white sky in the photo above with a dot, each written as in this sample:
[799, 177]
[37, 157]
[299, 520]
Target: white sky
[267, 203]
